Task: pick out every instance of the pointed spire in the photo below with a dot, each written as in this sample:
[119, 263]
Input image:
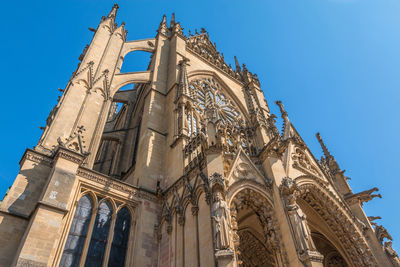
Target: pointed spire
[238, 69]
[324, 148]
[113, 12]
[172, 24]
[163, 28]
[284, 114]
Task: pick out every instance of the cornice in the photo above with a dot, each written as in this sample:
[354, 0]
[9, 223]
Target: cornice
[117, 185]
[69, 155]
[37, 157]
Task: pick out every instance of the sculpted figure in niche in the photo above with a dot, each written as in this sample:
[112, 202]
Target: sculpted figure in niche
[221, 218]
[297, 218]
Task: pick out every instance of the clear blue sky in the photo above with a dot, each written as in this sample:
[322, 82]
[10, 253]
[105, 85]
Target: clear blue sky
[335, 64]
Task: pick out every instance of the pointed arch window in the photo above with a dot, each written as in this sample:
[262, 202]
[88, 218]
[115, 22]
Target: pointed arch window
[96, 233]
[77, 234]
[120, 240]
[101, 229]
[189, 119]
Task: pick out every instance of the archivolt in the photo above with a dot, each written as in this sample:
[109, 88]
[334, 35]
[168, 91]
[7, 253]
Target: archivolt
[341, 222]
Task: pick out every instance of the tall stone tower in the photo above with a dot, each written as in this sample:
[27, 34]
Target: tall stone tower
[187, 168]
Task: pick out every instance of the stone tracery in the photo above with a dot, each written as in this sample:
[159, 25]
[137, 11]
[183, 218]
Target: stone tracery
[210, 104]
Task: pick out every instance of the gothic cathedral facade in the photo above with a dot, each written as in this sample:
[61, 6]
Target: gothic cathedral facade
[186, 168]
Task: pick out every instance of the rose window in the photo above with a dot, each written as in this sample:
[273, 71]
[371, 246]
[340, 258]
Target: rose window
[210, 102]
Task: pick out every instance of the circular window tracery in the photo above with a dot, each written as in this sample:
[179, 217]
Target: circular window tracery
[211, 102]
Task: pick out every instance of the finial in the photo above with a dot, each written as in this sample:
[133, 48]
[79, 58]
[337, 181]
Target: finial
[195, 31]
[244, 68]
[203, 30]
[172, 20]
[284, 114]
[324, 149]
[163, 25]
[238, 69]
[190, 33]
[113, 12]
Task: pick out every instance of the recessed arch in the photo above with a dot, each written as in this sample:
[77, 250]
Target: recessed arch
[238, 186]
[255, 240]
[347, 237]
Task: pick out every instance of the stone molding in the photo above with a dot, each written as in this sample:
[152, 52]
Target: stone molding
[117, 185]
[69, 155]
[36, 157]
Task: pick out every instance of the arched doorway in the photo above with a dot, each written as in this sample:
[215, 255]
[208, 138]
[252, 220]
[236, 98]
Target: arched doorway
[255, 240]
[336, 235]
[332, 257]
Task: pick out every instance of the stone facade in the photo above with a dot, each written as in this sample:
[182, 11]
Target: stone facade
[185, 169]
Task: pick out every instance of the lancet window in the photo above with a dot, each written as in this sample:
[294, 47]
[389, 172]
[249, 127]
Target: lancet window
[99, 234]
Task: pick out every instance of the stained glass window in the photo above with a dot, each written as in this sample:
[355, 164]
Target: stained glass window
[120, 239]
[98, 242]
[77, 234]
[207, 95]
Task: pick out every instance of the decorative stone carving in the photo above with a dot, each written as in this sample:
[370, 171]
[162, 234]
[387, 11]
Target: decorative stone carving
[217, 182]
[290, 191]
[363, 196]
[75, 142]
[392, 254]
[254, 251]
[222, 226]
[335, 260]
[339, 218]
[373, 218]
[303, 163]
[201, 45]
[382, 233]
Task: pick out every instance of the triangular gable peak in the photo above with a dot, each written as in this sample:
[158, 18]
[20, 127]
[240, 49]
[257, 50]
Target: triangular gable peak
[201, 45]
[300, 160]
[244, 168]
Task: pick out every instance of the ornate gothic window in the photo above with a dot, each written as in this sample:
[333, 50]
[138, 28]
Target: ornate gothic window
[98, 242]
[120, 239]
[210, 101]
[77, 233]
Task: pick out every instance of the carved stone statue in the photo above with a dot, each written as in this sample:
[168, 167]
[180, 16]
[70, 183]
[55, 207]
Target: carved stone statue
[222, 226]
[393, 256]
[300, 227]
[289, 191]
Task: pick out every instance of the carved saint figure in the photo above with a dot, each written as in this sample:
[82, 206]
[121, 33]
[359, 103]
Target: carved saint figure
[299, 223]
[221, 218]
[289, 191]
